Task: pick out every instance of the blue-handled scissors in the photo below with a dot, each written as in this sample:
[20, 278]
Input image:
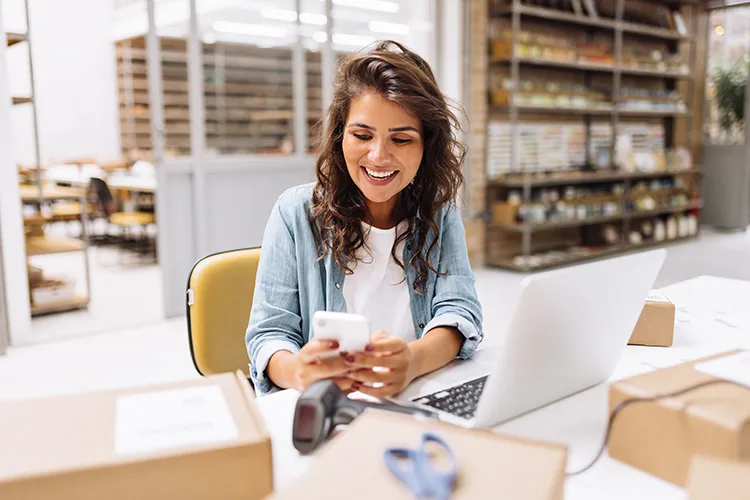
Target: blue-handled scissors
[415, 469]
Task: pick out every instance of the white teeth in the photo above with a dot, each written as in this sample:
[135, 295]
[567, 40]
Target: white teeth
[379, 175]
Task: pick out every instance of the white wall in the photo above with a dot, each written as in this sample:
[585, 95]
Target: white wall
[13, 252]
[75, 77]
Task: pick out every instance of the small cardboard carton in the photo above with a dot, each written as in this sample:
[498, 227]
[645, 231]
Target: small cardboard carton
[662, 435]
[712, 479]
[490, 465]
[655, 327]
[194, 440]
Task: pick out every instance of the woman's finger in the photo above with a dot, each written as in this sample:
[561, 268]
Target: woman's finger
[343, 383]
[389, 344]
[327, 368]
[313, 352]
[377, 392]
[371, 376]
[368, 360]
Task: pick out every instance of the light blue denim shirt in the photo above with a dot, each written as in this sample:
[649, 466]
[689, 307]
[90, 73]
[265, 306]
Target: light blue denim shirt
[290, 286]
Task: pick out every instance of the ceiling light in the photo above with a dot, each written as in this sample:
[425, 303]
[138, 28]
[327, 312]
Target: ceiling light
[719, 30]
[279, 14]
[378, 5]
[310, 18]
[248, 29]
[353, 40]
[390, 28]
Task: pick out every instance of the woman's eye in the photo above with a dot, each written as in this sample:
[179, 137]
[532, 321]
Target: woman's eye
[363, 137]
[399, 140]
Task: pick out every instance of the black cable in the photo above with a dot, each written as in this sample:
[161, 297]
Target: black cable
[623, 404]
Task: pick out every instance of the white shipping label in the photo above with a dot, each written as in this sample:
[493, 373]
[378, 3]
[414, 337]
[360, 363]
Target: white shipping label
[656, 296]
[735, 368]
[171, 419]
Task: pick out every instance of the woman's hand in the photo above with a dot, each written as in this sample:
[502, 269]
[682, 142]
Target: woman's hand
[307, 366]
[387, 360]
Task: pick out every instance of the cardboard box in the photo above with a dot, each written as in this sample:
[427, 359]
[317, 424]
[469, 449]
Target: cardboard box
[490, 465]
[504, 213]
[193, 440]
[655, 327]
[712, 479]
[660, 437]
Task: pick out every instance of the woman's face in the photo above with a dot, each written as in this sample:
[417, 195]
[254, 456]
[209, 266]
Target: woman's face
[382, 147]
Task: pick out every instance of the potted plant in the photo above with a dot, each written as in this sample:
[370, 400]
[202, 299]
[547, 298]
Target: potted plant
[726, 159]
[729, 97]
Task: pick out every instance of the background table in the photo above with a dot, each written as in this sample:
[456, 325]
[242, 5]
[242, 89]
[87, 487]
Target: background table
[712, 316]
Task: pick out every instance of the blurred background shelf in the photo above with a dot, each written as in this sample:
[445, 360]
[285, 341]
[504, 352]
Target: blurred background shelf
[62, 305]
[591, 221]
[14, 38]
[583, 177]
[593, 254]
[548, 14]
[247, 97]
[548, 226]
[552, 110]
[627, 137]
[41, 245]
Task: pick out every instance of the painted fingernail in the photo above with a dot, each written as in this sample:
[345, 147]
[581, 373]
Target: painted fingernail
[369, 348]
[334, 344]
[349, 358]
[343, 354]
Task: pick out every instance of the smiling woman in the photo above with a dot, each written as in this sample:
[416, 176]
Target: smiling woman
[381, 160]
[378, 234]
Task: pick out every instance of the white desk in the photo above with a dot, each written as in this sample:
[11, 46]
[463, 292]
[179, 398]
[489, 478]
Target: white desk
[712, 316]
[138, 184]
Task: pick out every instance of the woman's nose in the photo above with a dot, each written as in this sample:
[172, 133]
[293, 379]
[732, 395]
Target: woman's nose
[379, 151]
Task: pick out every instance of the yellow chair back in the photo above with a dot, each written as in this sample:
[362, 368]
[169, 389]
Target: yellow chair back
[219, 299]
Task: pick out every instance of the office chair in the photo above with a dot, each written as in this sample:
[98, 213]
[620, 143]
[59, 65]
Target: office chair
[219, 298]
[107, 208]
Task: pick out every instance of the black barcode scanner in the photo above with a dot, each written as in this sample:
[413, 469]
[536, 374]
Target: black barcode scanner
[323, 406]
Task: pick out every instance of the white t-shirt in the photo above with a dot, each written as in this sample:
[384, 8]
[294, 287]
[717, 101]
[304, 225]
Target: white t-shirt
[378, 289]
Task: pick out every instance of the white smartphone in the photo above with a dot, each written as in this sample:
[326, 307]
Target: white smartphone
[352, 331]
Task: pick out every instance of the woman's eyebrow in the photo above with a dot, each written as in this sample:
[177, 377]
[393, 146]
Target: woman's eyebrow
[361, 125]
[403, 129]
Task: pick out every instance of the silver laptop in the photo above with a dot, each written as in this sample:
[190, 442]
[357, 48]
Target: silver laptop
[567, 334]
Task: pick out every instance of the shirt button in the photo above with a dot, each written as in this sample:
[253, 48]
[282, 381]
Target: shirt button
[408, 247]
[421, 325]
[337, 285]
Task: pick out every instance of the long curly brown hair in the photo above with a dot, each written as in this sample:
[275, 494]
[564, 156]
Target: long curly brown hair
[339, 207]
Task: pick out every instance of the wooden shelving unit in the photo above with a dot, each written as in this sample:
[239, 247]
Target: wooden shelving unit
[77, 302]
[581, 177]
[21, 100]
[42, 245]
[589, 256]
[14, 38]
[604, 24]
[533, 244]
[590, 221]
[247, 96]
[597, 67]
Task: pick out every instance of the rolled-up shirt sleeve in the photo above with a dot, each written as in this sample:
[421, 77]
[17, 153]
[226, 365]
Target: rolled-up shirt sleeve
[455, 302]
[275, 320]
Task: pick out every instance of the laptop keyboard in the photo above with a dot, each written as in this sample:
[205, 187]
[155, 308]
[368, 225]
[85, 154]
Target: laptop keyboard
[460, 400]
